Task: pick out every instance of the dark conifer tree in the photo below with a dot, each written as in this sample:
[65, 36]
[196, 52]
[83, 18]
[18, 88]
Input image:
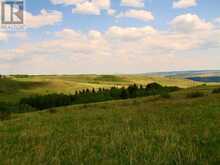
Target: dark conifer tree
[124, 93]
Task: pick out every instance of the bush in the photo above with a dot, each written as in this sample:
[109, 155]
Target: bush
[52, 111]
[195, 94]
[5, 115]
[154, 86]
[24, 108]
[215, 91]
[165, 95]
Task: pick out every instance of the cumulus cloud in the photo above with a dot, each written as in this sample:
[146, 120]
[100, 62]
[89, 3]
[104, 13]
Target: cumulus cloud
[133, 3]
[129, 33]
[66, 2]
[68, 34]
[92, 7]
[190, 23]
[21, 35]
[217, 20]
[3, 36]
[45, 18]
[88, 7]
[128, 49]
[102, 4]
[142, 15]
[184, 3]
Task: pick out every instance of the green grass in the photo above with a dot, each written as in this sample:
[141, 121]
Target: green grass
[13, 89]
[151, 130]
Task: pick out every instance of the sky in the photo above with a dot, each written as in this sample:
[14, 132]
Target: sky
[113, 37]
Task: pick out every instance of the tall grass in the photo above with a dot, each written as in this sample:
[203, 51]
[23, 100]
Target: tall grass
[136, 131]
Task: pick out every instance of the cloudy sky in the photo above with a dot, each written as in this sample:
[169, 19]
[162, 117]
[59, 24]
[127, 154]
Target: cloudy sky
[113, 36]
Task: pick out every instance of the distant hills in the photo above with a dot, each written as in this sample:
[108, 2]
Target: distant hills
[205, 79]
[200, 75]
[187, 74]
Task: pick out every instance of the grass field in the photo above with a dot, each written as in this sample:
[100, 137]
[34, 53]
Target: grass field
[14, 88]
[151, 130]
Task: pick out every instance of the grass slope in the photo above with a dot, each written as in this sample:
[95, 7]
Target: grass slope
[11, 90]
[150, 130]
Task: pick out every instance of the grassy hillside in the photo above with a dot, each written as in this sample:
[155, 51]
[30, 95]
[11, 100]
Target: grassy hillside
[16, 87]
[151, 130]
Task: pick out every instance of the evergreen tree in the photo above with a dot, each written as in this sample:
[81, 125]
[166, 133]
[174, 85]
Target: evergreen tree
[124, 93]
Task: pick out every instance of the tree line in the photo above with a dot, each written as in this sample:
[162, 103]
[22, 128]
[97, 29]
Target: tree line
[90, 96]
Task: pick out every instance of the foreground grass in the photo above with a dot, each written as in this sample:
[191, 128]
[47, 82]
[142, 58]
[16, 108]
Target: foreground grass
[151, 130]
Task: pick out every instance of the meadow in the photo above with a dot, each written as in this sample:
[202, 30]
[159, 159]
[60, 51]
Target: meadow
[14, 88]
[180, 129]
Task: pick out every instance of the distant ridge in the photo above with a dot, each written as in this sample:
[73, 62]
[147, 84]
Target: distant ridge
[206, 79]
[188, 74]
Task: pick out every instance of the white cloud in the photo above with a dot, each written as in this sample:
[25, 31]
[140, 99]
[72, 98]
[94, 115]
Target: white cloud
[133, 3]
[137, 14]
[21, 35]
[45, 18]
[130, 33]
[102, 4]
[148, 38]
[86, 8]
[190, 23]
[68, 33]
[93, 7]
[66, 2]
[118, 49]
[217, 20]
[184, 3]
[96, 35]
[3, 36]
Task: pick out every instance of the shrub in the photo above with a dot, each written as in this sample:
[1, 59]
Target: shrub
[154, 86]
[85, 106]
[52, 111]
[165, 95]
[195, 94]
[135, 102]
[24, 108]
[172, 89]
[215, 91]
[5, 115]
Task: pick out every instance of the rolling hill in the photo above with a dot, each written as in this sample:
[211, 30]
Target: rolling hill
[177, 128]
[14, 88]
[150, 130]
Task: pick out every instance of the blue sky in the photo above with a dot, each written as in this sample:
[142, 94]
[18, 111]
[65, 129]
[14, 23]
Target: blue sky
[162, 10]
[113, 36]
